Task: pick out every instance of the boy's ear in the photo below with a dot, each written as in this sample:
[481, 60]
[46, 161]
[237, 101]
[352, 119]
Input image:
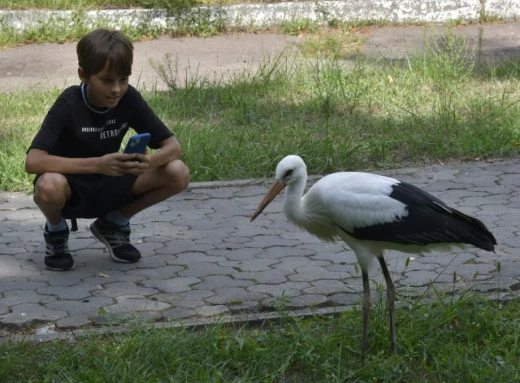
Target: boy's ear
[81, 74]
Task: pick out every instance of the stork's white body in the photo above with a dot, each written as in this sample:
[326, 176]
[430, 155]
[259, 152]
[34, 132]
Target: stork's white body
[351, 200]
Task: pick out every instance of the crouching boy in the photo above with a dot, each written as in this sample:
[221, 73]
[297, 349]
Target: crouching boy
[80, 171]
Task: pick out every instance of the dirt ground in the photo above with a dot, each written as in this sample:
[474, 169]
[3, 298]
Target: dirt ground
[44, 65]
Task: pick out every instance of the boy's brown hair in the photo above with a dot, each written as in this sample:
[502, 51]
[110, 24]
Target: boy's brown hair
[103, 46]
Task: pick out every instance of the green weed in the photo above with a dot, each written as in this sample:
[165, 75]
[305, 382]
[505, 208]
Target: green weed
[336, 114]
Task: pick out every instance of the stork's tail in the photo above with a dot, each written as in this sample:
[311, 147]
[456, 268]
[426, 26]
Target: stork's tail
[474, 232]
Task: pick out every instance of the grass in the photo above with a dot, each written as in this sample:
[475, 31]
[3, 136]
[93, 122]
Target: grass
[465, 340]
[336, 114]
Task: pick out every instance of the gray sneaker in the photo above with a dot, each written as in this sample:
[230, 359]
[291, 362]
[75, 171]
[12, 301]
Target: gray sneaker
[57, 255]
[117, 240]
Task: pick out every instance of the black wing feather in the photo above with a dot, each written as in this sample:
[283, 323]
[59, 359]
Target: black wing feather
[429, 221]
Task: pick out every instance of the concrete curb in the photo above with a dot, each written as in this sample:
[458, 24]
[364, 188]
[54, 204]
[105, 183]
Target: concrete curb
[49, 333]
[268, 15]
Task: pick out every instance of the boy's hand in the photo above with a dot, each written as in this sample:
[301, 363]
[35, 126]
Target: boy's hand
[117, 164]
[143, 160]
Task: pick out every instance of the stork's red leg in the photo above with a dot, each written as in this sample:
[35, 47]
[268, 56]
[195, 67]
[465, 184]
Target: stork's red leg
[390, 289]
[366, 314]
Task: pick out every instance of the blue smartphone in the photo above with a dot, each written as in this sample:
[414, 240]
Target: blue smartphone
[137, 143]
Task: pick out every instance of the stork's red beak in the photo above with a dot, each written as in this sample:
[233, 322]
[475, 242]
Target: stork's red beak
[271, 193]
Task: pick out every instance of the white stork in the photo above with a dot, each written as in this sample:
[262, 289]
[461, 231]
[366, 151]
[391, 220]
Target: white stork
[372, 213]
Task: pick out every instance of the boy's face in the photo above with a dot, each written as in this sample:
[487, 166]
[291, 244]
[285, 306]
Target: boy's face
[105, 88]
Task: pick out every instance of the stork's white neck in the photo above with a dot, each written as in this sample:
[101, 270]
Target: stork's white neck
[293, 199]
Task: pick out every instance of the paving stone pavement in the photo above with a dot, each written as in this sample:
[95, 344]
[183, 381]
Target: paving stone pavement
[202, 258]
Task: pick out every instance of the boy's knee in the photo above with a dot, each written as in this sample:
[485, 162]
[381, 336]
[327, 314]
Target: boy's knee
[51, 187]
[178, 175]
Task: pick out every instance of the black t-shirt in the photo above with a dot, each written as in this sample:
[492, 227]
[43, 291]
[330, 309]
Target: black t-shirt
[71, 129]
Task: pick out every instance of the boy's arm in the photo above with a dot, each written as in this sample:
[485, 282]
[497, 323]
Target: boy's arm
[39, 161]
[170, 149]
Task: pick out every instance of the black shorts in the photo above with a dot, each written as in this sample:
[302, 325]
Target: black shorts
[94, 195]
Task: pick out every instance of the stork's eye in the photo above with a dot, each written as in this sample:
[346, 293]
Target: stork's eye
[288, 174]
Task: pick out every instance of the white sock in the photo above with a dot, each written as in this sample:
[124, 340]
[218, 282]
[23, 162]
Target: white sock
[117, 218]
[62, 225]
